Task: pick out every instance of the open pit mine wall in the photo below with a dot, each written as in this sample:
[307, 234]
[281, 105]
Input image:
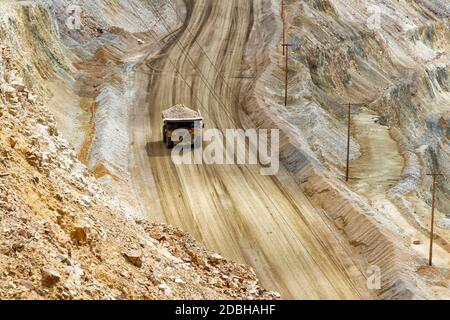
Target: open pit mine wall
[82, 74]
[401, 76]
[58, 58]
[374, 245]
[30, 29]
[400, 71]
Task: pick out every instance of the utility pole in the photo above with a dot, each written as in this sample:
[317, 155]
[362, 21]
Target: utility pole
[286, 45]
[283, 17]
[433, 203]
[347, 174]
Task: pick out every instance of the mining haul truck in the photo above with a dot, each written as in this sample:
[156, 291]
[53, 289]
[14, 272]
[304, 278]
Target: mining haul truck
[181, 117]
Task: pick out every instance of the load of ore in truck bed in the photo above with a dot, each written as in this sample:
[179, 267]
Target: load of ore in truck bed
[180, 111]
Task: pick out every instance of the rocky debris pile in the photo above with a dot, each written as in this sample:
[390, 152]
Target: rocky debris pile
[180, 111]
[61, 239]
[215, 270]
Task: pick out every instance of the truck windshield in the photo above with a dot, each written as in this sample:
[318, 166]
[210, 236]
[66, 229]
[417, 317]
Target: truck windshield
[181, 125]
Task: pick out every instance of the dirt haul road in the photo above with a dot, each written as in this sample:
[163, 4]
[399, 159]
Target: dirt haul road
[258, 220]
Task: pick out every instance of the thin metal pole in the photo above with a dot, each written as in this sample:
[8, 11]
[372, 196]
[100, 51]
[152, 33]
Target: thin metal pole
[433, 209]
[347, 174]
[284, 36]
[286, 73]
[286, 77]
[283, 17]
[430, 262]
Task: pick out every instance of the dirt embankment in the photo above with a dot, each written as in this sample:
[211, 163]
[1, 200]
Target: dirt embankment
[110, 109]
[86, 75]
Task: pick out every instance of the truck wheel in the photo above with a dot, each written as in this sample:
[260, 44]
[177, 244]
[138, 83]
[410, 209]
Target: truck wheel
[170, 143]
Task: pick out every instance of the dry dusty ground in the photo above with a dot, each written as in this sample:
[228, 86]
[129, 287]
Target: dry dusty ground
[233, 209]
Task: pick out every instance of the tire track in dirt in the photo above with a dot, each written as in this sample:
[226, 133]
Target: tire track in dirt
[233, 209]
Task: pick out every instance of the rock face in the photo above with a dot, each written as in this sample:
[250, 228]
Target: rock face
[393, 72]
[81, 75]
[59, 237]
[134, 257]
[50, 278]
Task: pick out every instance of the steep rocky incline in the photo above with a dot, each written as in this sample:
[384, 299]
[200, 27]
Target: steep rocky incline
[60, 238]
[85, 73]
[389, 59]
